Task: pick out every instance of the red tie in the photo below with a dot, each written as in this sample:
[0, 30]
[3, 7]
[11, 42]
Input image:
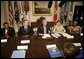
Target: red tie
[25, 30]
[6, 34]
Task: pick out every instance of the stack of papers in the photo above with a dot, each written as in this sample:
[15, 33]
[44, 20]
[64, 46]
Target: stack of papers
[56, 35]
[46, 35]
[67, 35]
[3, 40]
[18, 54]
[77, 44]
[22, 47]
[25, 41]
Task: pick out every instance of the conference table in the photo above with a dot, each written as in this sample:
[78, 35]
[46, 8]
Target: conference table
[37, 46]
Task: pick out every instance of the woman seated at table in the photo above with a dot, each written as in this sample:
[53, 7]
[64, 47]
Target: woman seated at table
[58, 28]
[74, 29]
[69, 50]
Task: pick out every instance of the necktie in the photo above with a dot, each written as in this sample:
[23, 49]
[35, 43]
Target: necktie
[44, 29]
[25, 30]
[6, 34]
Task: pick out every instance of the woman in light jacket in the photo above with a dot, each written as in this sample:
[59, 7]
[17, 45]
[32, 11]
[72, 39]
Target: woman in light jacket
[58, 28]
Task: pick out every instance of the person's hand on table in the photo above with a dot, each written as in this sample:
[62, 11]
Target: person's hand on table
[48, 31]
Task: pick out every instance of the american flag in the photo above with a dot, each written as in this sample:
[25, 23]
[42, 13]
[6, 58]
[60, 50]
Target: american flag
[10, 12]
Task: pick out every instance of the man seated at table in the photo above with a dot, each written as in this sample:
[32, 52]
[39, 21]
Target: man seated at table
[7, 31]
[25, 30]
[74, 29]
[70, 50]
[44, 28]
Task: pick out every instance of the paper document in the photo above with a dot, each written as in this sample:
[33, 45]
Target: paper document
[25, 41]
[51, 46]
[77, 44]
[22, 47]
[67, 35]
[46, 35]
[3, 40]
[18, 54]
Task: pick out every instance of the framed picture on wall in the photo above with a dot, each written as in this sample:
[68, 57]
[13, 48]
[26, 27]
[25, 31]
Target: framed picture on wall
[40, 8]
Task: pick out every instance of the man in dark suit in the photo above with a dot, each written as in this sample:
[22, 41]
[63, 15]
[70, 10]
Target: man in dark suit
[44, 28]
[7, 31]
[25, 30]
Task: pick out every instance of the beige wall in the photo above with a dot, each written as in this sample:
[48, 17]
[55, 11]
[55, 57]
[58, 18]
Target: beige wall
[4, 13]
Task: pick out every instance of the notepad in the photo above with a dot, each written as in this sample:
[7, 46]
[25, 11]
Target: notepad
[77, 44]
[25, 41]
[51, 46]
[3, 40]
[22, 47]
[18, 54]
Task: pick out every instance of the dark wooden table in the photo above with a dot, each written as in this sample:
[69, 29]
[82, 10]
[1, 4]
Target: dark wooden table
[37, 45]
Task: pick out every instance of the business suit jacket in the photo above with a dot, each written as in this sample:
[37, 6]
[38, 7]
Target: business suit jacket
[11, 32]
[41, 29]
[21, 31]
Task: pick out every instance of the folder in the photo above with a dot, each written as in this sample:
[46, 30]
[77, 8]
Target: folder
[18, 54]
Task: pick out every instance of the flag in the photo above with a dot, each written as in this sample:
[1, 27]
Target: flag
[16, 12]
[10, 12]
[26, 6]
[55, 12]
[55, 17]
[65, 14]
